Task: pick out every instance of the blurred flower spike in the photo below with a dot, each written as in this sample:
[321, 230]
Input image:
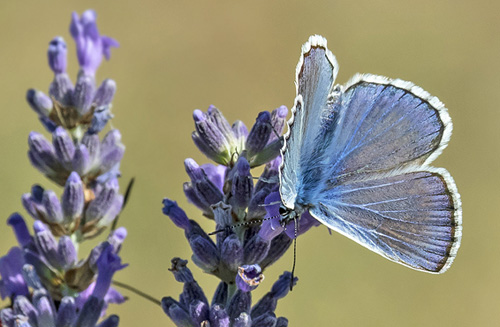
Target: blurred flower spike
[47, 282]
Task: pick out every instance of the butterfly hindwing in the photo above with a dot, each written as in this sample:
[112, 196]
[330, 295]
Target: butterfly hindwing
[411, 217]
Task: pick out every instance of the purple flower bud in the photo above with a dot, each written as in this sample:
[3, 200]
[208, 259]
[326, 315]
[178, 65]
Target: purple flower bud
[192, 293]
[216, 174]
[17, 223]
[249, 277]
[81, 160]
[44, 306]
[111, 321]
[90, 45]
[66, 314]
[73, 198]
[174, 310]
[46, 244]
[61, 89]
[198, 312]
[12, 283]
[282, 286]
[219, 316]
[269, 177]
[63, 145]
[112, 150]
[265, 320]
[256, 207]
[116, 238]
[57, 55]
[66, 250]
[180, 270]
[278, 119]
[210, 139]
[240, 132]
[232, 252]
[108, 264]
[31, 278]
[240, 302]
[22, 306]
[220, 121]
[243, 320]
[268, 153]
[175, 213]
[242, 185]
[281, 322]
[42, 154]
[113, 211]
[93, 145]
[53, 207]
[223, 216]
[256, 249]
[91, 311]
[83, 95]
[49, 125]
[102, 202]
[260, 133]
[204, 188]
[279, 245]
[39, 102]
[7, 317]
[220, 294]
[105, 93]
[193, 197]
[205, 253]
[101, 117]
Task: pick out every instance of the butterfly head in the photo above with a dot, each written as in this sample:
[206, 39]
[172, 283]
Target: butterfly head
[288, 214]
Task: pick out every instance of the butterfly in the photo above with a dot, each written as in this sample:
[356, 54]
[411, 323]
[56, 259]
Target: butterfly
[357, 158]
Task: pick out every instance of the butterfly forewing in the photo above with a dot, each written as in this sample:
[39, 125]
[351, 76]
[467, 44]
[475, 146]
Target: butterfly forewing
[385, 124]
[315, 75]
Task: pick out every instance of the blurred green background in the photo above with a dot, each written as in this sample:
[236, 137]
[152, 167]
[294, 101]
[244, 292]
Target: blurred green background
[176, 56]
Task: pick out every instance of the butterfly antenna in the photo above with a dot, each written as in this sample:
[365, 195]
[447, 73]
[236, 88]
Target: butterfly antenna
[295, 220]
[136, 291]
[246, 223]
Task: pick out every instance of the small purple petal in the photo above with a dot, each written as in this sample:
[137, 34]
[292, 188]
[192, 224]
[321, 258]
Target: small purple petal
[249, 277]
[12, 283]
[18, 224]
[108, 263]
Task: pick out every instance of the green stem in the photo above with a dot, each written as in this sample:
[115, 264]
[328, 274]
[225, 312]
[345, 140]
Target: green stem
[231, 289]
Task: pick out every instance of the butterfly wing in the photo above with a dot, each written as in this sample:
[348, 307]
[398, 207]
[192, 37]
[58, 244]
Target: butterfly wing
[377, 188]
[411, 217]
[385, 124]
[315, 75]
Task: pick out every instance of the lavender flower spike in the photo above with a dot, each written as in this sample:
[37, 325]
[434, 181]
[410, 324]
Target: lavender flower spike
[90, 45]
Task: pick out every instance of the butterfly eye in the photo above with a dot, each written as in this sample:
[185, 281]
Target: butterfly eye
[283, 211]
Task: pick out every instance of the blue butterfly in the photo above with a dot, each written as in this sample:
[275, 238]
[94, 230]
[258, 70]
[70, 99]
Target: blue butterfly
[357, 156]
